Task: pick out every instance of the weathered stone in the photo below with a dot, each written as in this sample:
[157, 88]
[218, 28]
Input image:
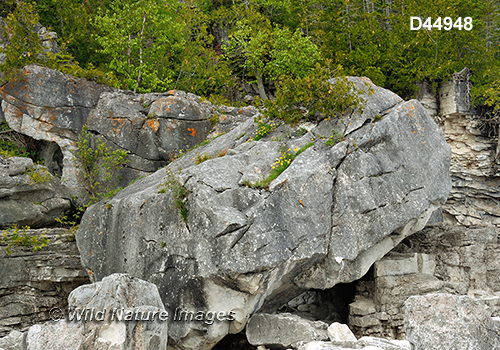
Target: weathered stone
[450, 259]
[384, 344]
[57, 116]
[153, 128]
[362, 307]
[283, 330]
[364, 321]
[25, 202]
[309, 297]
[323, 221]
[445, 321]
[401, 265]
[371, 187]
[454, 95]
[112, 293]
[32, 283]
[365, 343]
[340, 332]
[15, 340]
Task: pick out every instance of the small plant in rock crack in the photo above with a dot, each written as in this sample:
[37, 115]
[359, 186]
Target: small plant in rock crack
[14, 236]
[280, 165]
[335, 138]
[38, 174]
[264, 129]
[301, 131]
[179, 193]
[200, 158]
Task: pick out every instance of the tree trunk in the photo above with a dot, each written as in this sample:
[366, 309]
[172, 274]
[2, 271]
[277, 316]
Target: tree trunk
[260, 84]
[141, 61]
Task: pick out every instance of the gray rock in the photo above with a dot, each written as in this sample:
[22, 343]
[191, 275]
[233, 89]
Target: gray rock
[379, 183]
[323, 221]
[338, 331]
[25, 202]
[365, 343]
[281, 331]
[15, 340]
[108, 297]
[384, 343]
[445, 321]
[153, 128]
[442, 258]
[34, 282]
[49, 105]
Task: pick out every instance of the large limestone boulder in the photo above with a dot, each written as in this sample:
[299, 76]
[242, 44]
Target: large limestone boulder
[99, 327]
[29, 194]
[325, 220]
[48, 105]
[449, 322]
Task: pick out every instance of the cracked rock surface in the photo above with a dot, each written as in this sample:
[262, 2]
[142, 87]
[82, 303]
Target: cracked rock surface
[48, 105]
[325, 220]
[26, 202]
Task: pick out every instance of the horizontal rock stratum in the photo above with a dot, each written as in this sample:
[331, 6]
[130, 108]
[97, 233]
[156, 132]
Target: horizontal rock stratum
[325, 220]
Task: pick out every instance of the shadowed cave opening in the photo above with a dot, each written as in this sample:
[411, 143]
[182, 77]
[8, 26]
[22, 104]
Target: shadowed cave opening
[329, 305]
[40, 151]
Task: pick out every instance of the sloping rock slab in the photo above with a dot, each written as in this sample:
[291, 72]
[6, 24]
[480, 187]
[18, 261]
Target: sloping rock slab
[323, 221]
[104, 300]
[449, 322]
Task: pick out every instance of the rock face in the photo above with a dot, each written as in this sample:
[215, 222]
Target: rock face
[48, 105]
[32, 283]
[105, 300]
[33, 200]
[474, 169]
[323, 221]
[442, 258]
[445, 321]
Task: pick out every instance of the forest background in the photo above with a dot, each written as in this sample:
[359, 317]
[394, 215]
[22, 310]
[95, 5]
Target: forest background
[214, 47]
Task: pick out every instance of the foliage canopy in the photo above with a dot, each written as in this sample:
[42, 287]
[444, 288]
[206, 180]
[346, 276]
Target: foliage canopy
[213, 47]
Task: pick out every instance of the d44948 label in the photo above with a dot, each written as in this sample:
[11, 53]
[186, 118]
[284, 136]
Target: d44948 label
[446, 23]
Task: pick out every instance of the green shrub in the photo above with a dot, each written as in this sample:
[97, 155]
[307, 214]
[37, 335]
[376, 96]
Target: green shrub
[99, 166]
[13, 144]
[71, 221]
[38, 174]
[303, 97]
[20, 238]
[200, 158]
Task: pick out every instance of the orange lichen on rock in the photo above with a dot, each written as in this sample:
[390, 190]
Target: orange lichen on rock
[153, 124]
[192, 131]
